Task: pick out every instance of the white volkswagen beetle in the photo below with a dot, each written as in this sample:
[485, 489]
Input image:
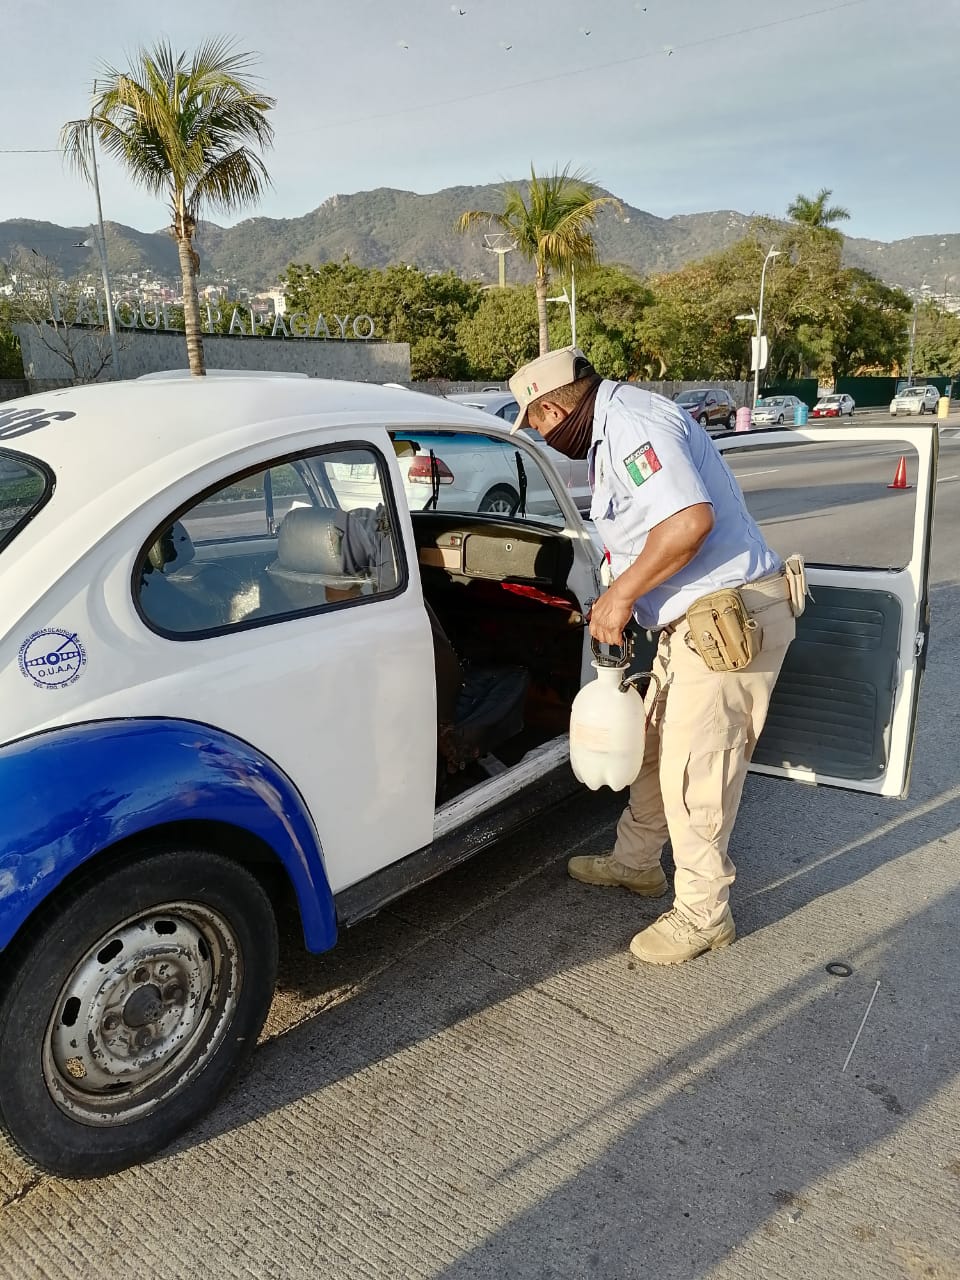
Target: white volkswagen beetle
[233, 662]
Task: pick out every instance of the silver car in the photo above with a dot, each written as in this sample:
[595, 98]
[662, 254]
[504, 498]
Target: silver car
[915, 400]
[775, 410]
[573, 472]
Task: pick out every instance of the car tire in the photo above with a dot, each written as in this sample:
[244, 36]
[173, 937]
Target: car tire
[780, 420]
[731, 421]
[501, 500]
[129, 1005]
[703, 420]
[922, 410]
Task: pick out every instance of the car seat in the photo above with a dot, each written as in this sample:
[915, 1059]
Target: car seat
[309, 568]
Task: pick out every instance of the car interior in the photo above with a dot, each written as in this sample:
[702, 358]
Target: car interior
[507, 631]
[508, 640]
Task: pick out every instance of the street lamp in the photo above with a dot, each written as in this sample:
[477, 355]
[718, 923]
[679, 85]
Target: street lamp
[760, 354]
[101, 239]
[571, 301]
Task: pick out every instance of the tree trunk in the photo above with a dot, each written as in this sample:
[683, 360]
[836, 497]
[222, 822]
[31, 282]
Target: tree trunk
[542, 312]
[191, 303]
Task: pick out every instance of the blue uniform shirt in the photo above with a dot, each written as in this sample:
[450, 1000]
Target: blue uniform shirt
[647, 461]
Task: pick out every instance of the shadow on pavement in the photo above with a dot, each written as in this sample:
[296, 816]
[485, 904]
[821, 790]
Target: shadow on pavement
[736, 1105]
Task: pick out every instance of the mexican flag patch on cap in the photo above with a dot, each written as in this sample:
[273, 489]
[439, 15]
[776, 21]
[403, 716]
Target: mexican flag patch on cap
[642, 463]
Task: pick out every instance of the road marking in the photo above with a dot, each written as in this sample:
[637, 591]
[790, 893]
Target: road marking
[769, 472]
[944, 479]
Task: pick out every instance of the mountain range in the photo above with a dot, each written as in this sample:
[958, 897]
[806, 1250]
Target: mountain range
[385, 225]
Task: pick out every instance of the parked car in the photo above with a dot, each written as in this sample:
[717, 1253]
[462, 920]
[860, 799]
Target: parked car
[710, 406]
[835, 406]
[915, 400]
[225, 680]
[573, 471]
[775, 410]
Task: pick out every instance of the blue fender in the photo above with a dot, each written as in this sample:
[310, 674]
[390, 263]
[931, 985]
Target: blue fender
[67, 794]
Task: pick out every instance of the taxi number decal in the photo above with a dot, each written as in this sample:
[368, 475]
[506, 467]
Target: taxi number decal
[642, 463]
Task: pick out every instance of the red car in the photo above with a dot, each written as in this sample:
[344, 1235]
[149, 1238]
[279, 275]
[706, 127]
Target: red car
[837, 406]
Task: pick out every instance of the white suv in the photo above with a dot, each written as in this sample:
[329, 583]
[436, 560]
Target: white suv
[915, 400]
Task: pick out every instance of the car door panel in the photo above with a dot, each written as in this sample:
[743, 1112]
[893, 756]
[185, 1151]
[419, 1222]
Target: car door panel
[844, 709]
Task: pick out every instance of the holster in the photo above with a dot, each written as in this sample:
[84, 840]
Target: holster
[722, 631]
[796, 576]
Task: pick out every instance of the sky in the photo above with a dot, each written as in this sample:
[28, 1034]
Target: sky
[676, 106]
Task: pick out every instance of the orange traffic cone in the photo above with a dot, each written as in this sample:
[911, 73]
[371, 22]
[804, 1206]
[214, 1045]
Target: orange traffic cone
[900, 476]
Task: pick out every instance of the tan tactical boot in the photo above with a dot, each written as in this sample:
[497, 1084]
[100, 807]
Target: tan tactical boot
[605, 869]
[675, 938]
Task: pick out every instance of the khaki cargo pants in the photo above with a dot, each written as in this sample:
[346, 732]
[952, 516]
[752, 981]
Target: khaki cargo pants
[703, 730]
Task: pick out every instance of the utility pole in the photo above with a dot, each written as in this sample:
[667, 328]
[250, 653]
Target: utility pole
[913, 343]
[102, 248]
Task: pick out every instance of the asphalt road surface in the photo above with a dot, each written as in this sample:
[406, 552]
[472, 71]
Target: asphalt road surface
[480, 1082]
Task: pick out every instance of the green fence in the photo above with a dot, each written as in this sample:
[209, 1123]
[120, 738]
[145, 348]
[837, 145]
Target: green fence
[877, 392]
[805, 389]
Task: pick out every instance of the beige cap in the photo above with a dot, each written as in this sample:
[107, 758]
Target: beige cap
[546, 373]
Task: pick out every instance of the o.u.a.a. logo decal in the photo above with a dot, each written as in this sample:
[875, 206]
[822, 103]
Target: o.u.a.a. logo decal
[52, 658]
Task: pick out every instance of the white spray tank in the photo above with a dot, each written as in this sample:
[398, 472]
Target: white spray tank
[608, 723]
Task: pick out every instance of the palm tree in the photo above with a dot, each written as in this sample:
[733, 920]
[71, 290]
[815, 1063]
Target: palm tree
[181, 126]
[551, 227]
[816, 213]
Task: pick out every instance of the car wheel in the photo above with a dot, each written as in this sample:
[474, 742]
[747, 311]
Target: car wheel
[780, 420]
[731, 421]
[923, 409]
[129, 1007]
[500, 501]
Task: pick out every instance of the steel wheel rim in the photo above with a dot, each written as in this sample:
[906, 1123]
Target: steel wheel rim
[141, 1013]
[499, 507]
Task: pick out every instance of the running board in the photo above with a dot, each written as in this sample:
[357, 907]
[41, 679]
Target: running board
[504, 810]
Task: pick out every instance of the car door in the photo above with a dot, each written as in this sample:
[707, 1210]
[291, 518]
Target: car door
[844, 709]
[710, 408]
[283, 605]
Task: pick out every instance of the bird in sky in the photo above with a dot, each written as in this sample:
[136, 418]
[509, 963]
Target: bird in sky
[402, 44]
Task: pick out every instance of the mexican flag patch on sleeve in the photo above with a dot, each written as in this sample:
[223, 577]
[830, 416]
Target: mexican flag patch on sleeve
[642, 463]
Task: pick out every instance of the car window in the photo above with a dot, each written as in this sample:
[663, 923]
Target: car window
[25, 485]
[303, 536]
[830, 501]
[474, 474]
[509, 412]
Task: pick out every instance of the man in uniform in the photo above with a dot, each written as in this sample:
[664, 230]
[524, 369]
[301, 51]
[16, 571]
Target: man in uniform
[676, 529]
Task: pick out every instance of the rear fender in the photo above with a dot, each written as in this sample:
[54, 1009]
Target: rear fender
[68, 794]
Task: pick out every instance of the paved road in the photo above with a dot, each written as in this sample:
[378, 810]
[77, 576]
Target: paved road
[481, 1083]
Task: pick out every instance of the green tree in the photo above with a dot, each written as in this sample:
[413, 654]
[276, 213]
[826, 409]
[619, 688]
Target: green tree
[876, 322]
[407, 305]
[551, 223]
[611, 301]
[501, 334]
[183, 128]
[816, 213]
[937, 344]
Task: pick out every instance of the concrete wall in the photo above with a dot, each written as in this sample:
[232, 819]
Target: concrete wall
[11, 388]
[152, 352]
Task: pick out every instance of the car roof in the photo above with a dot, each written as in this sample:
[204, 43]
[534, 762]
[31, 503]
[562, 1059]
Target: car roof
[173, 426]
[488, 399]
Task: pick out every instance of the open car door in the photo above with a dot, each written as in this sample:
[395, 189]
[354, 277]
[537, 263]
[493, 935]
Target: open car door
[844, 710]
